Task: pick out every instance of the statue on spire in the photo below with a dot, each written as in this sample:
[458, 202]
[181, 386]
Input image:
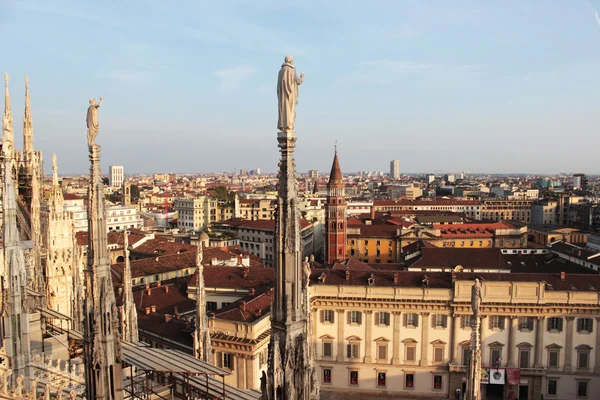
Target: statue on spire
[92, 121]
[287, 94]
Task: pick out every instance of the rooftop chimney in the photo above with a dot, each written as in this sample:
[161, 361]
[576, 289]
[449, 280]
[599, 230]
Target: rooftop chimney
[245, 272]
[251, 292]
[563, 275]
[147, 286]
[153, 308]
[158, 284]
[373, 212]
[168, 317]
[147, 310]
[347, 275]
[243, 305]
[396, 278]
[166, 289]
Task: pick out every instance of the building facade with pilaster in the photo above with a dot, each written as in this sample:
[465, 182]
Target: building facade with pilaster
[408, 333]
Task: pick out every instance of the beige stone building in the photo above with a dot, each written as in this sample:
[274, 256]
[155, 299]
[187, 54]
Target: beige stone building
[406, 334]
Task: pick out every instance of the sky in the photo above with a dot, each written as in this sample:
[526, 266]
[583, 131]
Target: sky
[190, 86]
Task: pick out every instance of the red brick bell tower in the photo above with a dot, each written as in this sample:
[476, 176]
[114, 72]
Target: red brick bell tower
[335, 215]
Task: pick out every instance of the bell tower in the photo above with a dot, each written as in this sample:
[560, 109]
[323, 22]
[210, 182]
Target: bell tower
[335, 215]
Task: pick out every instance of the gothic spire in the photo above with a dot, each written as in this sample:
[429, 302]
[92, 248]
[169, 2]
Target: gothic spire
[14, 299]
[202, 344]
[56, 200]
[7, 122]
[28, 129]
[129, 323]
[102, 344]
[289, 349]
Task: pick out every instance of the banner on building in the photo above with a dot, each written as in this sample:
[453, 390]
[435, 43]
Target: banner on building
[485, 375]
[497, 376]
[513, 376]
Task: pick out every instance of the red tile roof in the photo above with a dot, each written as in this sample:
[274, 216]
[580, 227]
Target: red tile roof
[233, 277]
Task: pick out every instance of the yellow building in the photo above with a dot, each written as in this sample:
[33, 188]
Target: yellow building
[383, 243]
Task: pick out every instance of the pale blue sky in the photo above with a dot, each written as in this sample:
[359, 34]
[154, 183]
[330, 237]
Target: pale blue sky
[189, 86]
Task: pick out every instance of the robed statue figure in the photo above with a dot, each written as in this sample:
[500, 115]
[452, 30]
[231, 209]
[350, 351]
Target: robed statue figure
[287, 94]
[92, 121]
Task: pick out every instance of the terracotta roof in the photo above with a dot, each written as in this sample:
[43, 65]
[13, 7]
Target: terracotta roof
[352, 265]
[440, 257]
[382, 278]
[162, 246]
[165, 298]
[178, 330]
[247, 309]
[233, 277]
[157, 265]
[266, 224]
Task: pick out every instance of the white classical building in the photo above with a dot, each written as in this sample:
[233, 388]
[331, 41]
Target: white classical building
[118, 218]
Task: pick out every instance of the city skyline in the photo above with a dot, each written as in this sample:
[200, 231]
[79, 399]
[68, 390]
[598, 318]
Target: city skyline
[469, 87]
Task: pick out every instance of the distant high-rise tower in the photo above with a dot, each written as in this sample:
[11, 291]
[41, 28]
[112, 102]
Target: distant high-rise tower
[580, 181]
[335, 215]
[116, 175]
[395, 169]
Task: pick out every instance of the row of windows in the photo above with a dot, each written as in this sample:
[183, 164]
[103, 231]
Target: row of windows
[554, 324]
[581, 388]
[378, 243]
[378, 253]
[381, 379]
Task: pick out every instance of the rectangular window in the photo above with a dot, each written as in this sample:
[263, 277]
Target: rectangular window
[328, 316]
[553, 358]
[526, 323]
[552, 387]
[523, 358]
[437, 382]
[409, 381]
[582, 389]
[411, 320]
[355, 317]
[585, 325]
[583, 359]
[211, 306]
[382, 352]
[555, 324]
[381, 379]
[467, 321]
[497, 322]
[327, 349]
[438, 354]
[228, 360]
[384, 318]
[466, 354]
[352, 350]
[440, 321]
[326, 375]
[354, 378]
[495, 355]
[411, 353]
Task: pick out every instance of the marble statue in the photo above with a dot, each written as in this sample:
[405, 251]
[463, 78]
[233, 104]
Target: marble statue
[92, 121]
[476, 298]
[287, 94]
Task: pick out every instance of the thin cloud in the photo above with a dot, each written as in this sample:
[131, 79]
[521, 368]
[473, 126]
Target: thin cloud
[129, 76]
[597, 17]
[231, 78]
